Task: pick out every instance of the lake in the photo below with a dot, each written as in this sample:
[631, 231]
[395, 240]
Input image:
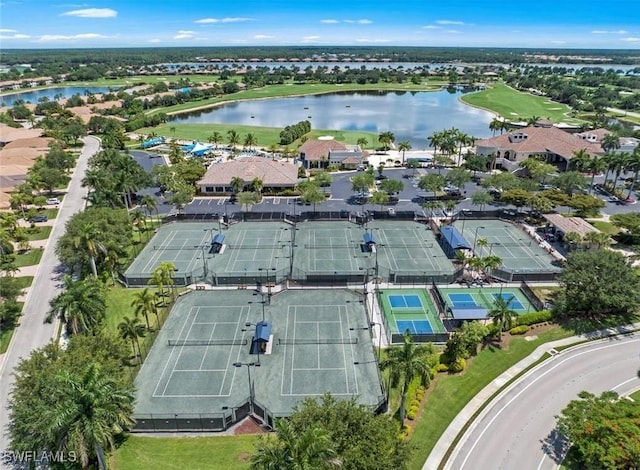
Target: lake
[411, 116]
[50, 93]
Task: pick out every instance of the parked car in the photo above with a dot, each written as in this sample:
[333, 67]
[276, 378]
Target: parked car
[38, 218]
[53, 201]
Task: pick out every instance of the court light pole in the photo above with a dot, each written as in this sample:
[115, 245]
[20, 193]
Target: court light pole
[205, 267]
[475, 238]
[371, 325]
[491, 245]
[249, 366]
[259, 302]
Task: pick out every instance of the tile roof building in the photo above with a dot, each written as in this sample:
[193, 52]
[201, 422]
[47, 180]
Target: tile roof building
[557, 146]
[320, 153]
[274, 174]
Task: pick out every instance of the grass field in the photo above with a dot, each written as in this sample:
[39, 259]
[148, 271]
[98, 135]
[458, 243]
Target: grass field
[635, 396]
[605, 227]
[194, 453]
[24, 281]
[41, 232]
[29, 258]
[5, 339]
[119, 306]
[265, 136]
[514, 105]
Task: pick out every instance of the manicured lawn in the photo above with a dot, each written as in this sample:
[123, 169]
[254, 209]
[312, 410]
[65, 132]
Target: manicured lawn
[605, 227]
[450, 393]
[635, 396]
[119, 306]
[41, 232]
[5, 339]
[24, 281]
[29, 258]
[265, 135]
[514, 105]
[194, 453]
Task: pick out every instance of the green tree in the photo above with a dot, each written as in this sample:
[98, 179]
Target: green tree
[233, 138]
[363, 440]
[432, 182]
[570, 182]
[404, 146]
[391, 186]
[386, 139]
[406, 363]
[630, 222]
[603, 430]
[379, 198]
[323, 179]
[131, 329]
[596, 166]
[144, 302]
[250, 140]
[237, 184]
[362, 182]
[150, 204]
[292, 450]
[481, 198]
[313, 195]
[248, 199]
[502, 315]
[476, 163]
[81, 305]
[587, 287]
[458, 176]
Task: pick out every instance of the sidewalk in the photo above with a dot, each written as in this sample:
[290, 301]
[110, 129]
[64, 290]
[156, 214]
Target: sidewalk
[441, 447]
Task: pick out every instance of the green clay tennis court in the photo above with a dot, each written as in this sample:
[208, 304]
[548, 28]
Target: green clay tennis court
[483, 298]
[401, 248]
[252, 250]
[409, 310]
[517, 250]
[318, 344]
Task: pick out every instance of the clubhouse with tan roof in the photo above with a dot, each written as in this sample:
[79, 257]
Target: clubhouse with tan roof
[274, 174]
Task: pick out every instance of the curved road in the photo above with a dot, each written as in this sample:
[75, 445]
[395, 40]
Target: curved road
[517, 430]
[33, 332]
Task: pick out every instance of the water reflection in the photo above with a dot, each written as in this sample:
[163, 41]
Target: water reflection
[411, 116]
[50, 93]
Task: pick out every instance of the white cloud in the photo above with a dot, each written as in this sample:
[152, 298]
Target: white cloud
[330, 21]
[184, 35]
[262, 36]
[14, 36]
[449, 22]
[602, 31]
[310, 38]
[558, 42]
[631, 39]
[431, 26]
[222, 20]
[8, 30]
[92, 13]
[451, 31]
[155, 40]
[361, 21]
[364, 21]
[75, 37]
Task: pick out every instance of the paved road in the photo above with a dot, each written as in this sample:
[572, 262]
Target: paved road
[517, 429]
[33, 332]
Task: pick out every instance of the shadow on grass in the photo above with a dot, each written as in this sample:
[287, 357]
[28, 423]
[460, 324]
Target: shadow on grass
[582, 325]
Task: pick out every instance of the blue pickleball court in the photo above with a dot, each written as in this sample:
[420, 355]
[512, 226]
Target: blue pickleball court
[405, 301]
[415, 327]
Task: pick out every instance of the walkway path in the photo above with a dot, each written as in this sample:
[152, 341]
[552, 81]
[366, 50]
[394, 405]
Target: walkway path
[33, 332]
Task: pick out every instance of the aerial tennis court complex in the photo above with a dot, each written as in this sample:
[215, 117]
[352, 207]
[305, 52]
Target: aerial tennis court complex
[203, 372]
[474, 303]
[522, 257]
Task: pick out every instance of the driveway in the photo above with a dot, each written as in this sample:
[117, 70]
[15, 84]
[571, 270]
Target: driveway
[33, 332]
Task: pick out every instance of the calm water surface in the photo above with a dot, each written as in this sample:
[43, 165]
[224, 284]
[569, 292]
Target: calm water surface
[411, 116]
[63, 92]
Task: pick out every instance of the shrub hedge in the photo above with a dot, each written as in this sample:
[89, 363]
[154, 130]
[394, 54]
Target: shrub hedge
[535, 317]
[519, 330]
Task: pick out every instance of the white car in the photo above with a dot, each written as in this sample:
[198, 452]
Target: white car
[53, 201]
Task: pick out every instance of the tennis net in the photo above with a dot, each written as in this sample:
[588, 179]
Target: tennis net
[207, 342]
[179, 247]
[318, 341]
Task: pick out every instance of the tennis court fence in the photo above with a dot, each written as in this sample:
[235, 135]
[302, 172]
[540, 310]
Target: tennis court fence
[531, 296]
[507, 275]
[439, 338]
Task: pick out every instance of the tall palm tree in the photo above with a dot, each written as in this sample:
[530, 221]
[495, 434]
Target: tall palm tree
[311, 449]
[502, 315]
[362, 142]
[572, 239]
[596, 166]
[405, 363]
[250, 140]
[581, 160]
[150, 204]
[87, 241]
[237, 184]
[404, 146]
[234, 138]
[490, 263]
[597, 239]
[619, 164]
[96, 410]
[215, 138]
[435, 141]
[610, 142]
[257, 184]
[144, 302]
[81, 305]
[386, 139]
[495, 125]
[633, 164]
[138, 220]
[131, 329]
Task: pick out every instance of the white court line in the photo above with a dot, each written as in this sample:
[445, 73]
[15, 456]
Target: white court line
[318, 368]
[319, 321]
[199, 370]
[155, 257]
[239, 349]
[344, 354]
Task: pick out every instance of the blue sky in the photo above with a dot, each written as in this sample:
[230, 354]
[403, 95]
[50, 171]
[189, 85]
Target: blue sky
[472, 23]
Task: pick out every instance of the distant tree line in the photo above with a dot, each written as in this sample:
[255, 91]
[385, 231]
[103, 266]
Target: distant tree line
[291, 133]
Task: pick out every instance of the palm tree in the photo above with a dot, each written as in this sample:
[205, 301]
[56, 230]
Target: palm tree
[502, 315]
[144, 302]
[234, 138]
[597, 239]
[247, 199]
[81, 305]
[215, 138]
[633, 164]
[250, 140]
[490, 263]
[133, 330]
[572, 239]
[404, 146]
[257, 185]
[98, 408]
[362, 142]
[150, 204]
[619, 163]
[596, 166]
[610, 142]
[495, 125]
[432, 206]
[482, 242]
[138, 220]
[86, 241]
[581, 160]
[237, 184]
[311, 449]
[386, 139]
[405, 363]
[435, 141]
